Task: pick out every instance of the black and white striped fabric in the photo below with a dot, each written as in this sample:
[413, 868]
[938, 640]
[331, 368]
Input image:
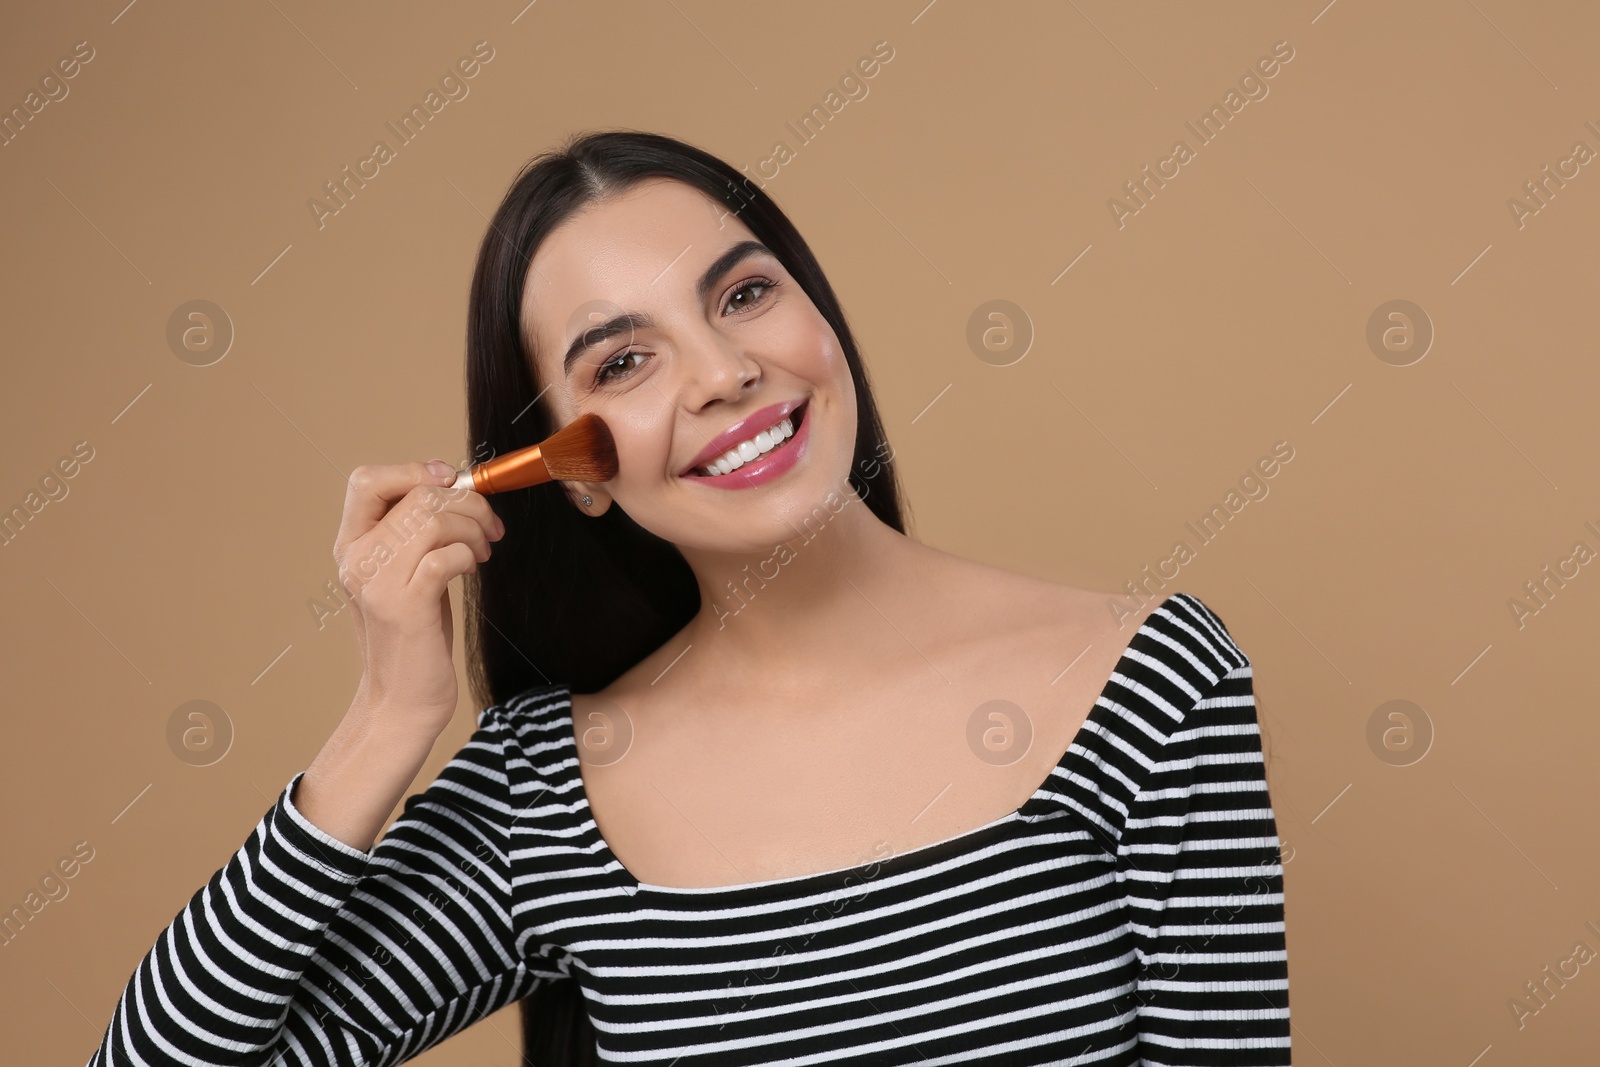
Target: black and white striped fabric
[1131, 911]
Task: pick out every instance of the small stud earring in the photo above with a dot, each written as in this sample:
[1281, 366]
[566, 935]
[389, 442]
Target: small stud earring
[587, 501]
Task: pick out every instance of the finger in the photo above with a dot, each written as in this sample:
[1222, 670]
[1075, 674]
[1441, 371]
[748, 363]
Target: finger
[472, 503]
[372, 490]
[380, 553]
[446, 618]
[437, 567]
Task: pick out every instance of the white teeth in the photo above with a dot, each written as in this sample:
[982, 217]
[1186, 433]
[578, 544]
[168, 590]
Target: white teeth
[745, 451]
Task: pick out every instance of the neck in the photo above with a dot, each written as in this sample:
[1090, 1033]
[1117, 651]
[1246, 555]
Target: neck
[771, 617]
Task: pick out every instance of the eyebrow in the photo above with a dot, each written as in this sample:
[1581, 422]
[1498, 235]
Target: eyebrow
[630, 321]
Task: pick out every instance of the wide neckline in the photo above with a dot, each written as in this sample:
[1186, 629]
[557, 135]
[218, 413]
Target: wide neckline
[905, 859]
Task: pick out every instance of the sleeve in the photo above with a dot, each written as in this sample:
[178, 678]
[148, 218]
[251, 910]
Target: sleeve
[1200, 864]
[303, 950]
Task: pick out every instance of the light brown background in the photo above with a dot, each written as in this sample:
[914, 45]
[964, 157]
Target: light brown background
[1230, 313]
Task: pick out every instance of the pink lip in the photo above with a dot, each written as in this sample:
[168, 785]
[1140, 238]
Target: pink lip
[745, 428]
[769, 466]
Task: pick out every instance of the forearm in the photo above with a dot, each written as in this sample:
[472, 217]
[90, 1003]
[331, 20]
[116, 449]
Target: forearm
[308, 949]
[361, 773]
[219, 984]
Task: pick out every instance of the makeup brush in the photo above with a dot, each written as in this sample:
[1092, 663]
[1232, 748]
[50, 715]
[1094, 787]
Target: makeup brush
[581, 451]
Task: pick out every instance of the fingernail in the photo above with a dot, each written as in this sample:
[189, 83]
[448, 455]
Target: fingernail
[440, 468]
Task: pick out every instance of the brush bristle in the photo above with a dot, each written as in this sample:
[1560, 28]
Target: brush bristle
[581, 452]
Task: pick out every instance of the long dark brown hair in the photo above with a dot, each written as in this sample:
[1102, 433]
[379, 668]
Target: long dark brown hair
[559, 576]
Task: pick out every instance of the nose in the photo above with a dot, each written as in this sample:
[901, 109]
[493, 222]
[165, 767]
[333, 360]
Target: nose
[715, 367]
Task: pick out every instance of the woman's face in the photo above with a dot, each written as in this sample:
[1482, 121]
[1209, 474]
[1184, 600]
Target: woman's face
[714, 339]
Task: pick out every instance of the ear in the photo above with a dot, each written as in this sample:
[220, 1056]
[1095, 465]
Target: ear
[600, 500]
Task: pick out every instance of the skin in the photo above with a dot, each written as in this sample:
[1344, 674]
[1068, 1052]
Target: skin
[827, 720]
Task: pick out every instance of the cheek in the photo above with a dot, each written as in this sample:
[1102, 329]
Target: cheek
[644, 441]
[829, 363]
[820, 353]
[834, 361]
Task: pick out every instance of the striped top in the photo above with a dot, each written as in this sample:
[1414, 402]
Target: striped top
[1131, 911]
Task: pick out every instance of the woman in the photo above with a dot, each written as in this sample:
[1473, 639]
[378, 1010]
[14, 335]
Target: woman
[758, 777]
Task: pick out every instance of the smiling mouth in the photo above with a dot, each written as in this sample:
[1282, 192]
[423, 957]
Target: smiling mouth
[721, 467]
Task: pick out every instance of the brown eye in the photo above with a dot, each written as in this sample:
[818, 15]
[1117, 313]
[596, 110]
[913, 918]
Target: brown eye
[754, 283]
[605, 374]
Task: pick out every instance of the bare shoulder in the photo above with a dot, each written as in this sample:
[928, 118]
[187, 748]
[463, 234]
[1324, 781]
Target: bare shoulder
[1024, 608]
[713, 792]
